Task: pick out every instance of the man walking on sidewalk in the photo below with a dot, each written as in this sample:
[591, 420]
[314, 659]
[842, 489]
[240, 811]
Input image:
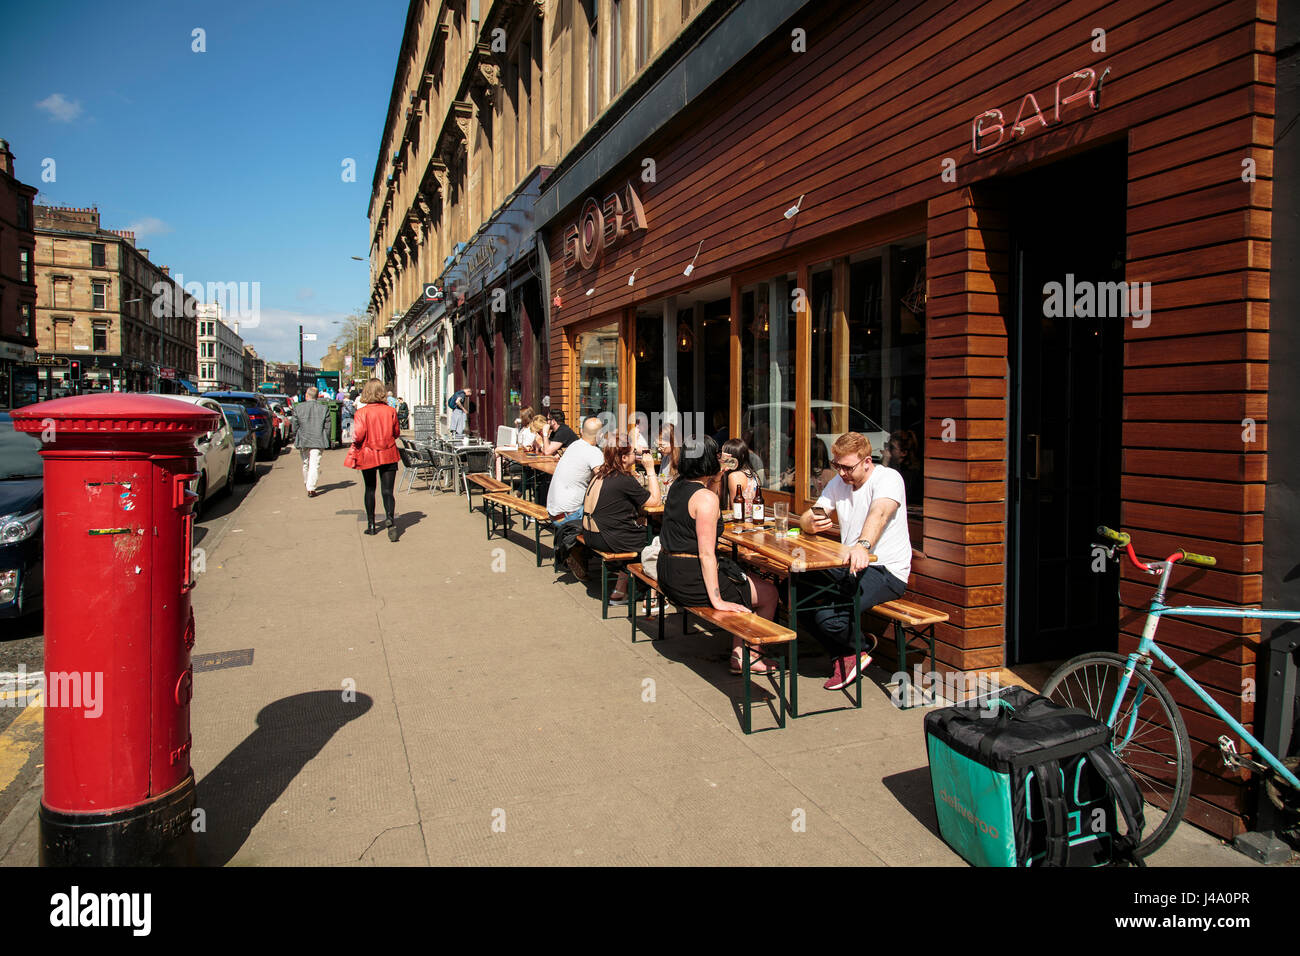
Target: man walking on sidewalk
[310, 436]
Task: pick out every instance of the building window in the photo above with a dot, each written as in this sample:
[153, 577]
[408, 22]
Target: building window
[23, 214]
[597, 353]
[99, 342]
[25, 319]
[63, 335]
[24, 265]
[99, 295]
[645, 18]
[593, 62]
[615, 47]
[97, 257]
[62, 292]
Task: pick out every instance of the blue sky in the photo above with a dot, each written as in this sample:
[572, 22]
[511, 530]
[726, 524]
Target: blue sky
[228, 163]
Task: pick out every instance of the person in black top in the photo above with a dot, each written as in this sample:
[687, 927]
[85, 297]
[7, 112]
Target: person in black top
[691, 572]
[560, 436]
[611, 511]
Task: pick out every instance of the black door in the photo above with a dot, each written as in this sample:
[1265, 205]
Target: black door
[1066, 392]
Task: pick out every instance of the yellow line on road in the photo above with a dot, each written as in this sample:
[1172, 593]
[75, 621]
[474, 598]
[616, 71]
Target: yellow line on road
[21, 738]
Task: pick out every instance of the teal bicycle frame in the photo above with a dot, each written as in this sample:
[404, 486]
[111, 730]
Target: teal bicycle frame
[1147, 648]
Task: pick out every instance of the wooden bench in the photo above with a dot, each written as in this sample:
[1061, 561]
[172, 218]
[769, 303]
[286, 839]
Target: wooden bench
[607, 559]
[486, 484]
[911, 618]
[509, 503]
[750, 628]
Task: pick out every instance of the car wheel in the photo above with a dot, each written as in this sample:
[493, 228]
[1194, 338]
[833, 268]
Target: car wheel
[229, 486]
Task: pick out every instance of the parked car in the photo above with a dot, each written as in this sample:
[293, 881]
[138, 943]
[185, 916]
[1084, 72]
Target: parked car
[259, 413]
[283, 422]
[22, 578]
[245, 439]
[275, 398]
[216, 453]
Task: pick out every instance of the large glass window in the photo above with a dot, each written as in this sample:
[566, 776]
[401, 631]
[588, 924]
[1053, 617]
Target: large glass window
[868, 361]
[649, 357]
[597, 372]
[768, 340]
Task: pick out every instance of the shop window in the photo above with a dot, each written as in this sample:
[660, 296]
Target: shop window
[597, 353]
[649, 358]
[767, 374]
[868, 362]
[97, 257]
[99, 337]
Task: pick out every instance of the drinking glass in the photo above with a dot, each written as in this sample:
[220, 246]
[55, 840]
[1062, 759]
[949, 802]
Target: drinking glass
[781, 512]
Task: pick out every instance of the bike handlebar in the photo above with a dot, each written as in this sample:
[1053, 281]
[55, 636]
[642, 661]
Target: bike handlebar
[1123, 539]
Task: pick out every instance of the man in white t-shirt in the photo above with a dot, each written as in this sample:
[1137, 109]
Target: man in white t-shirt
[871, 505]
[573, 474]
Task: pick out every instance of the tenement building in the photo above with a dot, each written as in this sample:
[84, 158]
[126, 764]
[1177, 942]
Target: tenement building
[220, 351]
[107, 319]
[487, 96]
[17, 287]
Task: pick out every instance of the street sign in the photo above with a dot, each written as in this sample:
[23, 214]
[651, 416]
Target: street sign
[368, 362]
[309, 336]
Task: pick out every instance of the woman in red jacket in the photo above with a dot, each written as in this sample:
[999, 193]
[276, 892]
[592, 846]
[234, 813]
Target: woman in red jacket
[374, 451]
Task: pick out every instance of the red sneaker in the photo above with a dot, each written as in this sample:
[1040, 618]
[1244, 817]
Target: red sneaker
[836, 680]
[852, 666]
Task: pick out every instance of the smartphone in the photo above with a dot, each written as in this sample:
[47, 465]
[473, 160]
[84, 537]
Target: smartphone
[820, 513]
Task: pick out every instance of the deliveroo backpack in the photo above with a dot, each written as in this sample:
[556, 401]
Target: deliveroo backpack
[1021, 781]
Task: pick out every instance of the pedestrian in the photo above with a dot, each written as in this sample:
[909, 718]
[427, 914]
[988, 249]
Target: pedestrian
[392, 402]
[403, 412]
[310, 436]
[458, 407]
[374, 452]
[347, 411]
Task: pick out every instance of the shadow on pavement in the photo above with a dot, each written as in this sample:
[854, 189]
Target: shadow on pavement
[334, 486]
[912, 790]
[240, 789]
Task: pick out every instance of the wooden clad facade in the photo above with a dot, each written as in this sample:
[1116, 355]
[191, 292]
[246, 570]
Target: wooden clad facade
[873, 126]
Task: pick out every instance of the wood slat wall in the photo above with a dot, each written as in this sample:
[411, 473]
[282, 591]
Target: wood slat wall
[861, 125]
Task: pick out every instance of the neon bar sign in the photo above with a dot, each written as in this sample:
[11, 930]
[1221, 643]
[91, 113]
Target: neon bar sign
[992, 122]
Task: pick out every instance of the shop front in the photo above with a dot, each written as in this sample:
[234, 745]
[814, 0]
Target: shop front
[1029, 264]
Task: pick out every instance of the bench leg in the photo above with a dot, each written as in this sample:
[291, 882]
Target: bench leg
[487, 518]
[744, 657]
[604, 589]
[793, 657]
[631, 603]
[663, 613]
[857, 645]
[794, 626]
[537, 539]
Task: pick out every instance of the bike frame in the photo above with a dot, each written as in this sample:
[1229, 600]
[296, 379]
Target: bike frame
[1147, 648]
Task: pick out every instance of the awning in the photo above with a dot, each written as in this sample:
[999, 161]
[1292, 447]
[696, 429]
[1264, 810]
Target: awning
[187, 385]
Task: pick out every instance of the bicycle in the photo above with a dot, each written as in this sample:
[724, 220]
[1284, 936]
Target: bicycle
[1150, 737]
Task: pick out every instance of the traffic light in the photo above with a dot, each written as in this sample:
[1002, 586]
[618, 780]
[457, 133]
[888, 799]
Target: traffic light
[74, 370]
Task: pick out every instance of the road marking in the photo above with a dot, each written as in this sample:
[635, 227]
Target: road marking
[21, 738]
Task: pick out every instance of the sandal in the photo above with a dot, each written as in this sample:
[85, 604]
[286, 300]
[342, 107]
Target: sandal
[759, 663]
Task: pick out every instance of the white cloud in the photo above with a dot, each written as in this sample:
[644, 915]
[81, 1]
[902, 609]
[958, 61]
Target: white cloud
[305, 293]
[60, 107]
[276, 336]
[149, 226]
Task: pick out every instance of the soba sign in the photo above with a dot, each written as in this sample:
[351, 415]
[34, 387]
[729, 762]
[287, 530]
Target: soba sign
[1083, 84]
[600, 226]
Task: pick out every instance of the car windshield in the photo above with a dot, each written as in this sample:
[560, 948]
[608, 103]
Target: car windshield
[236, 415]
[19, 452]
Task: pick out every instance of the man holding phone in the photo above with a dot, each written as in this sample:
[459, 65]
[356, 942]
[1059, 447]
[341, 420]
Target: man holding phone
[870, 502]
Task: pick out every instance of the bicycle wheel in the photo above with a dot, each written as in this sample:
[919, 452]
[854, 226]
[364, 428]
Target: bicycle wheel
[1156, 749]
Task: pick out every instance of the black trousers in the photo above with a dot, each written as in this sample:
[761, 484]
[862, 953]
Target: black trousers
[834, 627]
[387, 477]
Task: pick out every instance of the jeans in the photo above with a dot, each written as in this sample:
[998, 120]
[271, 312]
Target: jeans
[573, 516]
[310, 467]
[833, 627]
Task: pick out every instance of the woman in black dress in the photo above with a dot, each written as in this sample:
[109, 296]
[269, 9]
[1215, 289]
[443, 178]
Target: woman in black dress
[611, 511]
[691, 571]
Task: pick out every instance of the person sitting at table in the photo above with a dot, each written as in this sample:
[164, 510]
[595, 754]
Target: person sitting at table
[558, 436]
[634, 436]
[523, 425]
[871, 503]
[530, 436]
[691, 572]
[900, 455]
[670, 454]
[611, 509]
[737, 471]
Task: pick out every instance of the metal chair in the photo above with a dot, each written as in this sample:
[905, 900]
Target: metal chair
[443, 465]
[414, 468]
[474, 460]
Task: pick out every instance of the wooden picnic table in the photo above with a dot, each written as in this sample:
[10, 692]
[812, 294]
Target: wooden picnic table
[543, 464]
[795, 556]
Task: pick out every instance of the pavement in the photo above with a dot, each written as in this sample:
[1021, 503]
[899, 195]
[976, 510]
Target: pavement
[442, 700]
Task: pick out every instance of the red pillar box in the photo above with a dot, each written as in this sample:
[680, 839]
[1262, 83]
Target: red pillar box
[118, 627]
